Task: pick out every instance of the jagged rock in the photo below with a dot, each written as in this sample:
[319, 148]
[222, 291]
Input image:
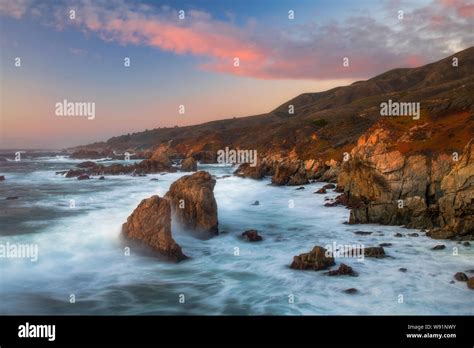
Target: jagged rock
[87, 164]
[205, 157]
[377, 252]
[317, 259]
[83, 177]
[161, 157]
[252, 236]
[150, 223]
[456, 206]
[342, 270]
[189, 165]
[193, 202]
[432, 191]
[321, 191]
[290, 172]
[461, 277]
[439, 247]
[470, 283]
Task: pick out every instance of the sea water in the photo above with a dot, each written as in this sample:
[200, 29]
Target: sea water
[83, 266]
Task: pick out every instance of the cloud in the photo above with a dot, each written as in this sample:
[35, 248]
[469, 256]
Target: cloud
[15, 9]
[313, 50]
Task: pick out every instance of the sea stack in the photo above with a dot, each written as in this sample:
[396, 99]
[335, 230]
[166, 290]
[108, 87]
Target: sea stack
[193, 203]
[150, 223]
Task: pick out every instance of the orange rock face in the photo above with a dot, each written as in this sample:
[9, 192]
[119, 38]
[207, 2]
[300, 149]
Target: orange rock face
[193, 203]
[150, 223]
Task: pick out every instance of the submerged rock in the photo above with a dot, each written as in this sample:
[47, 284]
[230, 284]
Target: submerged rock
[317, 259]
[329, 186]
[150, 223]
[362, 233]
[290, 172]
[252, 236]
[342, 270]
[385, 244]
[256, 203]
[83, 177]
[351, 291]
[402, 270]
[439, 247]
[193, 203]
[321, 191]
[377, 252]
[2, 177]
[461, 277]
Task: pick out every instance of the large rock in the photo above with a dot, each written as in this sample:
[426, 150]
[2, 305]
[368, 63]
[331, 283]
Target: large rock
[417, 190]
[290, 172]
[456, 206]
[317, 259]
[189, 165]
[264, 167]
[150, 223]
[193, 202]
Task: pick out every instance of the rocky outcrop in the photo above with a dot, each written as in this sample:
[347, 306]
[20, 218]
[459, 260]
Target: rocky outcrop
[317, 259]
[416, 190]
[456, 205]
[193, 202]
[150, 223]
[148, 166]
[205, 157]
[189, 165]
[376, 252]
[342, 270]
[290, 172]
[262, 169]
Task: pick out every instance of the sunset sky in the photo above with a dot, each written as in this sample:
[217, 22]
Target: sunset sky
[190, 61]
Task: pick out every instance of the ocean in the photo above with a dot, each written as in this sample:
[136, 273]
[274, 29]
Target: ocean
[81, 256]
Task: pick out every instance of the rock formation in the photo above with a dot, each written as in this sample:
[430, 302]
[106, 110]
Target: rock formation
[189, 165]
[315, 260]
[150, 223]
[193, 203]
[290, 172]
[252, 236]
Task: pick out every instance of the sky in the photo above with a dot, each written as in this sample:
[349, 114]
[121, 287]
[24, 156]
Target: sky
[79, 57]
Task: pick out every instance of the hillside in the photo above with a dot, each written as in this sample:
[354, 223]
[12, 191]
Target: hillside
[326, 124]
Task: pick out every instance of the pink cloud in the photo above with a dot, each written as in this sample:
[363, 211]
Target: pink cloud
[303, 51]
